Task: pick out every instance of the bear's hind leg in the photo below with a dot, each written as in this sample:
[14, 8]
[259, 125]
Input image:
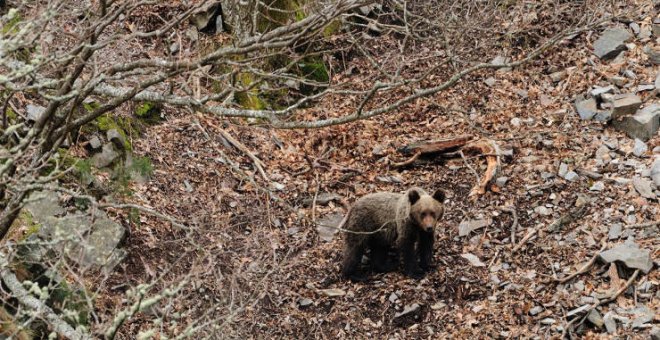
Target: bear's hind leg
[380, 259]
[352, 258]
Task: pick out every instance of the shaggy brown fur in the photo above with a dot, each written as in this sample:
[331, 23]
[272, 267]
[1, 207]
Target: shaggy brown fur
[385, 220]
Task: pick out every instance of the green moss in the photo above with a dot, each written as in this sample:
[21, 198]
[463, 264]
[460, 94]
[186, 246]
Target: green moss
[91, 106]
[249, 99]
[124, 125]
[11, 115]
[11, 27]
[27, 220]
[149, 112]
[332, 28]
[314, 69]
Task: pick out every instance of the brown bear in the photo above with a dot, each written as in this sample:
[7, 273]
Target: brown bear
[385, 220]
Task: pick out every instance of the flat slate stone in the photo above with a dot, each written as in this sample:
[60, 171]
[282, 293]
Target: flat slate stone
[643, 124]
[631, 255]
[611, 43]
[625, 104]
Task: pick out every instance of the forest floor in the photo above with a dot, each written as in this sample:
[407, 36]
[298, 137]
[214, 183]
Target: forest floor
[262, 260]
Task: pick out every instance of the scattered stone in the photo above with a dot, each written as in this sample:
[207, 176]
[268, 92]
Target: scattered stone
[43, 205]
[586, 108]
[640, 148]
[174, 48]
[393, 297]
[34, 112]
[643, 187]
[116, 138]
[655, 331]
[563, 169]
[378, 150]
[548, 321]
[408, 309]
[629, 74]
[327, 226]
[655, 171]
[645, 87]
[615, 231]
[630, 254]
[646, 315]
[611, 43]
[468, 226]
[490, 82]
[94, 143]
[322, 198]
[192, 34]
[572, 176]
[597, 186]
[332, 292]
[515, 121]
[500, 60]
[597, 92]
[625, 104]
[439, 305]
[106, 156]
[657, 81]
[642, 125]
[634, 27]
[501, 181]
[473, 259]
[656, 27]
[305, 302]
[610, 323]
[558, 76]
[653, 53]
[618, 80]
[521, 93]
[595, 318]
[535, 310]
[543, 211]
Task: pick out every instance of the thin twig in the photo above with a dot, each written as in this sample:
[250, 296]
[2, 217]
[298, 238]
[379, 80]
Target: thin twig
[514, 224]
[587, 265]
[409, 161]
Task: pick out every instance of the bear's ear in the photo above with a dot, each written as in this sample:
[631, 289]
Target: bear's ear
[439, 195]
[413, 196]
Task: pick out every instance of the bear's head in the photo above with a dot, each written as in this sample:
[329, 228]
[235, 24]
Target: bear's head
[426, 210]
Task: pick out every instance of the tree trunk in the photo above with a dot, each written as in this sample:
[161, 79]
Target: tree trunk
[239, 18]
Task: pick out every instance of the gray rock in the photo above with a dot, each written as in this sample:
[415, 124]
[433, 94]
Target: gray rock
[305, 302]
[643, 187]
[408, 309]
[106, 157]
[656, 27]
[655, 331]
[94, 143]
[657, 81]
[116, 138]
[473, 259]
[34, 112]
[653, 54]
[616, 229]
[192, 34]
[548, 321]
[643, 125]
[563, 169]
[543, 211]
[611, 43]
[610, 323]
[535, 310]
[558, 76]
[499, 60]
[634, 27]
[572, 176]
[393, 297]
[378, 150]
[43, 205]
[645, 87]
[327, 226]
[655, 171]
[501, 181]
[468, 226]
[618, 80]
[595, 318]
[597, 186]
[625, 104]
[597, 92]
[629, 74]
[322, 198]
[490, 82]
[174, 48]
[586, 108]
[645, 315]
[630, 254]
[640, 148]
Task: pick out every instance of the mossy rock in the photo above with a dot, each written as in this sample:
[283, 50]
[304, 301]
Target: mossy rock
[124, 125]
[11, 26]
[332, 28]
[149, 112]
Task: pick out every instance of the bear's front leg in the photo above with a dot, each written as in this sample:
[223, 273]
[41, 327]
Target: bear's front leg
[407, 251]
[426, 250]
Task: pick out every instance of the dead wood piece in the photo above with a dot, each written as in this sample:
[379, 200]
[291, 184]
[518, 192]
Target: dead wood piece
[437, 146]
[407, 162]
[514, 225]
[587, 265]
[490, 148]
